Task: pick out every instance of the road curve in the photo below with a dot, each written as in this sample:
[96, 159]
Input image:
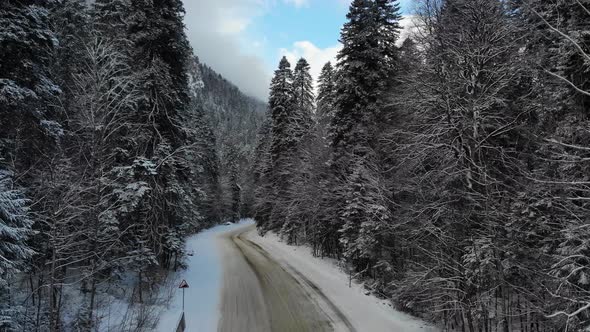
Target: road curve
[261, 295]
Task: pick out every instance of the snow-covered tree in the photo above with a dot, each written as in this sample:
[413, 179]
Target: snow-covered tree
[26, 42]
[326, 94]
[15, 230]
[365, 64]
[159, 57]
[558, 49]
[303, 97]
[365, 71]
[283, 140]
[456, 162]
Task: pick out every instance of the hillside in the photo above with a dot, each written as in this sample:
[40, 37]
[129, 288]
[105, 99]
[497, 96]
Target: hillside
[234, 120]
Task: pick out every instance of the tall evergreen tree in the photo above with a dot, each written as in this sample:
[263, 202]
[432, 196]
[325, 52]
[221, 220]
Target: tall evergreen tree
[15, 231]
[326, 95]
[159, 57]
[283, 142]
[365, 68]
[365, 63]
[28, 129]
[261, 169]
[303, 95]
[26, 43]
[111, 17]
[302, 125]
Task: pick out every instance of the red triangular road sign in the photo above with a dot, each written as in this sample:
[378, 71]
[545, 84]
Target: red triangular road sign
[183, 284]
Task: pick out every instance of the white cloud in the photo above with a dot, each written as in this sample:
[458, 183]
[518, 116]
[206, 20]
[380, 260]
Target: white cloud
[409, 25]
[298, 3]
[315, 56]
[216, 32]
[233, 25]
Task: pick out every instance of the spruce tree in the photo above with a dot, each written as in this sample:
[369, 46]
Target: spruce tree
[303, 97]
[261, 169]
[159, 58]
[15, 231]
[281, 107]
[26, 88]
[110, 17]
[302, 124]
[29, 134]
[283, 142]
[326, 95]
[366, 65]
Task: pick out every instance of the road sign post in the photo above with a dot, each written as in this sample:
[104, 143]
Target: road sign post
[183, 285]
[182, 323]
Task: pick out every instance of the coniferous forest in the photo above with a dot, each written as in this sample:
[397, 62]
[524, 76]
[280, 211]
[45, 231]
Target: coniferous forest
[113, 148]
[448, 171]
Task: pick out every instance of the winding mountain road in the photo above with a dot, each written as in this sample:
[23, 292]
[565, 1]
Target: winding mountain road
[261, 294]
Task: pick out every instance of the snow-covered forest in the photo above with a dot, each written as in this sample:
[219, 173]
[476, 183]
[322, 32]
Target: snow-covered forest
[448, 171]
[451, 172]
[115, 144]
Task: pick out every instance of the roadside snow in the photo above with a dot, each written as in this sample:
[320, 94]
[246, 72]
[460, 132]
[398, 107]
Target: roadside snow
[365, 312]
[204, 276]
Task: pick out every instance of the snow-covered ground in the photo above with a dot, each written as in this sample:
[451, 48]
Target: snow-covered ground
[204, 276]
[364, 312]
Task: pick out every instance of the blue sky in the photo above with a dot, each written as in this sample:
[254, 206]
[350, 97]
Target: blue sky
[280, 28]
[316, 21]
[244, 39]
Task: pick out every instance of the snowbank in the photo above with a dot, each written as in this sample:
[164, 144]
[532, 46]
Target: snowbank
[365, 312]
[204, 276]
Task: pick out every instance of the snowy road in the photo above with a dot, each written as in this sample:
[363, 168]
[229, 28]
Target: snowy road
[261, 295]
[270, 286]
[243, 282]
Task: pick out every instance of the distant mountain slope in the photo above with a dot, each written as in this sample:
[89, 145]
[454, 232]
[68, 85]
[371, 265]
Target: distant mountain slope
[234, 119]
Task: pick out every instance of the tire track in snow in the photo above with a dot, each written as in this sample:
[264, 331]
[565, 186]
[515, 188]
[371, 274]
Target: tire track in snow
[334, 313]
[260, 294]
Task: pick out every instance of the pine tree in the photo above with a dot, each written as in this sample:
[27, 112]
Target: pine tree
[283, 140]
[29, 131]
[364, 217]
[281, 107]
[110, 17]
[302, 124]
[365, 65]
[15, 230]
[261, 169]
[236, 194]
[303, 96]
[26, 43]
[159, 56]
[326, 95]
[204, 187]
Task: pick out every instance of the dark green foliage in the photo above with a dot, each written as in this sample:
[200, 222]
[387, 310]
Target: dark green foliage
[449, 173]
[233, 120]
[106, 126]
[326, 95]
[283, 151]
